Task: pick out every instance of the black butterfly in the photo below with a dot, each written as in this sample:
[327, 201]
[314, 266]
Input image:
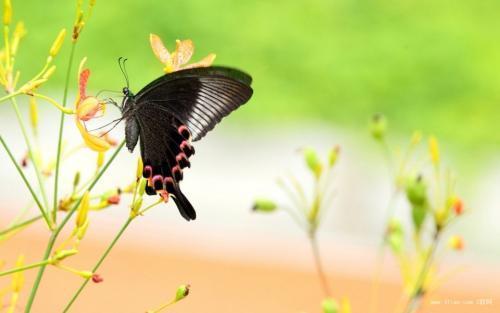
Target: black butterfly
[173, 110]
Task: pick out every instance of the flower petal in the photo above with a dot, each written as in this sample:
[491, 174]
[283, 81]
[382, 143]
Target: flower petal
[183, 52]
[205, 62]
[159, 48]
[82, 83]
[93, 142]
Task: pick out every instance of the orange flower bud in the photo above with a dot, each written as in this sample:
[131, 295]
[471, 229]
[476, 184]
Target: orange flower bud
[458, 206]
[456, 243]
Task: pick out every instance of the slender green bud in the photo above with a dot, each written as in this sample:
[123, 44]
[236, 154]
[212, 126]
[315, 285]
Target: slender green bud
[313, 162]
[378, 126]
[264, 205]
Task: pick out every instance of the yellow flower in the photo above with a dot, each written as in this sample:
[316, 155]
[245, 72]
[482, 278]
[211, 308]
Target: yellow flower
[178, 59]
[88, 107]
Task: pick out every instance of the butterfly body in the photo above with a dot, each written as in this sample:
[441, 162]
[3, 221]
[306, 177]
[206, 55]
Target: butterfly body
[171, 112]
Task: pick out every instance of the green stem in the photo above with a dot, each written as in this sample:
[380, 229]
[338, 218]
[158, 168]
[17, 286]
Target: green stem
[20, 171]
[59, 228]
[30, 154]
[418, 290]
[60, 134]
[9, 96]
[23, 268]
[61, 108]
[98, 264]
[20, 225]
[319, 267]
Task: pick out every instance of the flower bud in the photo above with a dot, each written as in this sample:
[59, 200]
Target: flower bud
[96, 278]
[31, 85]
[136, 206]
[85, 274]
[33, 113]
[333, 155]
[56, 46]
[19, 33]
[140, 167]
[7, 12]
[378, 126]
[100, 159]
[395, 236]
[63, 254]
[114, 199]
[456, 243]
[18, 277]
[142, 186]
[416, 191]
[182, 292]
[458, 206]
[329, 305]
[434, 150]
[83, 210]
[76, 180]
[49, 72]
[313, 162]
[264, 205]
[81, 231]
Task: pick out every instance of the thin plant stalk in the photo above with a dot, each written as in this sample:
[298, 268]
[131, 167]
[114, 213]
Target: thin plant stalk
[20, 225]
[21, 173]
[60, 133]
[418, 292]
[319, 267]
[24, 268]
[98, 264]
[107, 251]
[30, 153]
[59, 228]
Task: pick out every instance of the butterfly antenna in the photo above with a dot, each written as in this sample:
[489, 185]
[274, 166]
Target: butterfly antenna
[121, 64]
[116, 124]
[107, 90]
[118, 120]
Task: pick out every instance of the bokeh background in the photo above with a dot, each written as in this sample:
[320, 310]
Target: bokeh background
[321, 69]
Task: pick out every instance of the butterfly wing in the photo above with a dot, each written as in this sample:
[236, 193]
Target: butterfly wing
[165, 152]
[178, 107]
[199, 97]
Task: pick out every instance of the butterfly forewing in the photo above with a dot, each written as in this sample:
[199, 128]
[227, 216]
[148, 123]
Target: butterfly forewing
[198, 98]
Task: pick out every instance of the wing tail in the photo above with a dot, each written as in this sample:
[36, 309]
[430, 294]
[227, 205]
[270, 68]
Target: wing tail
[185, 208]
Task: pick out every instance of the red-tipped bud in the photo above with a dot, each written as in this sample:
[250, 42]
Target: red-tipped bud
[114, 199]
[96, 278]
[458, 206]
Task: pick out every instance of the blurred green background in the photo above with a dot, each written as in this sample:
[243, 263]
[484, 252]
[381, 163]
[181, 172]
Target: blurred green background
[429, 65]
